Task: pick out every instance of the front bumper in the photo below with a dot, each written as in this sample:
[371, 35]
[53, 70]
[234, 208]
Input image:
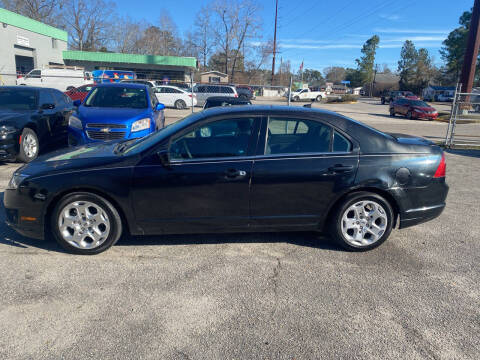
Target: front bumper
[9, 146]
[79, 137]
[419, 115]
[23, 214]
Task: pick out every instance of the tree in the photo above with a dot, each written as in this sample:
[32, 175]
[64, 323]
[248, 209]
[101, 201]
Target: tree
[168, 40]
[335, 74]
[46, 11]
[125, 35]
[366, 63]
[88, 23]
[453, 50]
[355, 77]
[424, 70]
[407, 65]
[311, 76]
[203, 34]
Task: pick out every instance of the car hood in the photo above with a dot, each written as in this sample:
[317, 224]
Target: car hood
[110, 115]
[9, 117]
[90, 156]
[423, 108]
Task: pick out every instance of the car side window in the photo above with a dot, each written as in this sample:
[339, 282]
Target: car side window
[218, 139]
[340, 143]
[59, 98]
[153, 98]
[297, 136]
[46, 97]
[35, 74]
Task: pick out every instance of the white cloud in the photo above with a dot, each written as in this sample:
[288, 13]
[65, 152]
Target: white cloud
[390, 17]
[410, 31]
[329, 46]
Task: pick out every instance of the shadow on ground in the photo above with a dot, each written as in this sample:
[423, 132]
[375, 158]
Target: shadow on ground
[464, 152]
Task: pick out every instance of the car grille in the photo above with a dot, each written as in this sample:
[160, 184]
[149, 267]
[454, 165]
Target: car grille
[111, 126]
[105, 135]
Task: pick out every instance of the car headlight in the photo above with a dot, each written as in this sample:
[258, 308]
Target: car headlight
[6, 130]
[75, 122]
[16, 180]
[141, 124]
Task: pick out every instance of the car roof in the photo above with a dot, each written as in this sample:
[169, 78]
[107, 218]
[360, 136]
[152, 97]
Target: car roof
[25, 87]
[229, 99]
[123, 84]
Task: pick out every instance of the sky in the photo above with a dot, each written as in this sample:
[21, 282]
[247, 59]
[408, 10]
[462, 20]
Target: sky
[331, 33]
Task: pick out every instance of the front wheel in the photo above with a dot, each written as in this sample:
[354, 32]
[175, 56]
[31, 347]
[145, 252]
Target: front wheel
[29, 146]
[85, 223]
[392, 112]
[362, 221]
[296, 98]
[410, 115]
[319, 98]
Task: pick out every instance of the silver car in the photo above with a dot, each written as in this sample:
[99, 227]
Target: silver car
[204, 91]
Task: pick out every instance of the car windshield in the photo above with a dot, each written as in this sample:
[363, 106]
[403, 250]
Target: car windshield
[118, 97]
[419, 103]
[18, 99]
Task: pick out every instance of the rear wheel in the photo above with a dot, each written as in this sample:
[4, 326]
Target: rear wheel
[392, 112]
[319, 98]
[180, 105]
[296, 98]
[85, 223]
[362, 221]
[243, 97]
[29, 146]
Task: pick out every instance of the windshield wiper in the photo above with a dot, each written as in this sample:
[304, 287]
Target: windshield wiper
[122, 146]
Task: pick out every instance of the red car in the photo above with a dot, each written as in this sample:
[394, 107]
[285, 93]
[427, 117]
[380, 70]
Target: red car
[413, 109]
[79, 93]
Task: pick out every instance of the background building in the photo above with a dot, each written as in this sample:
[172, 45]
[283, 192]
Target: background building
[213, 77]
[26, 44]
[155, 67]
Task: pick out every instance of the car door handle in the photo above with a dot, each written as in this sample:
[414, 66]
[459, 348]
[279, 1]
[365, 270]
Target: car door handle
[235, 174]
[340, 168]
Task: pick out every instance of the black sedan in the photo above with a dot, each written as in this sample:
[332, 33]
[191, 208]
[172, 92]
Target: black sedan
[31, 120]
[226, 169]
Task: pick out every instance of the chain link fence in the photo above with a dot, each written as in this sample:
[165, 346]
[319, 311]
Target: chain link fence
[464, 124]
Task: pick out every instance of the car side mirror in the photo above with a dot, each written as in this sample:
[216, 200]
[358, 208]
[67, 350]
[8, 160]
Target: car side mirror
[164, 158]
[47, 106]
[77, 103]
[159, 107]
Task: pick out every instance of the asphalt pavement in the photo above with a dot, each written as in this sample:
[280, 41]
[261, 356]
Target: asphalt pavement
[255, 296]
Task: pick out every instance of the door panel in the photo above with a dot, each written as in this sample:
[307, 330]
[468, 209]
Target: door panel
[297, 190]
[191, 197]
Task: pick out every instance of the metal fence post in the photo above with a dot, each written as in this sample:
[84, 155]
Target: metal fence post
[191, 86]
[290, 91]
[447, 135]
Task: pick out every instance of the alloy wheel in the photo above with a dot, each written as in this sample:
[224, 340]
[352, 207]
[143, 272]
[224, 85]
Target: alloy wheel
[84, 224]
[30, 146]
[364, 223]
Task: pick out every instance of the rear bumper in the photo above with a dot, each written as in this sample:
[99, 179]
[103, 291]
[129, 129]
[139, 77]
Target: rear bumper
[417, 216]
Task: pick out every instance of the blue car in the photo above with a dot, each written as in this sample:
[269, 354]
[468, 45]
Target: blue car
[115, 112]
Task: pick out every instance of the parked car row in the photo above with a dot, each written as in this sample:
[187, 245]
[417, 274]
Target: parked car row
[390, 96]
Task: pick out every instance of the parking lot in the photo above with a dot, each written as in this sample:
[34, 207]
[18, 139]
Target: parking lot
[266, 296]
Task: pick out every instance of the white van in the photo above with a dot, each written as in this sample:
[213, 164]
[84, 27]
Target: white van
[60, 78]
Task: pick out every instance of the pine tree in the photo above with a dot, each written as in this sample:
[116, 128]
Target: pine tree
[366, 63]
[407, 65]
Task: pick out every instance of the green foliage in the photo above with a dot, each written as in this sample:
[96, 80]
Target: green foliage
[407, 65]
[367, 61]
[335, 74]
[313, 77]
[355, 77]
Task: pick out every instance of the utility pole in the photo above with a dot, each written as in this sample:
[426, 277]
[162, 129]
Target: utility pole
[274, 41]
[471, 52]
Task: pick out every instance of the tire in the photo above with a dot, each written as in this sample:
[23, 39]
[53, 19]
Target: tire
[296, 98]
[180, 105]
[383, 101]
[29, 146]
[98, 229]
[409, 115]
[392, 112]
[351, 229]
[319, 98]
[243, 97]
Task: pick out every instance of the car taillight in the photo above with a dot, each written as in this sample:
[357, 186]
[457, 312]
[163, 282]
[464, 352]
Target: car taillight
[236, 95]
[189, 95]
[441, 169]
